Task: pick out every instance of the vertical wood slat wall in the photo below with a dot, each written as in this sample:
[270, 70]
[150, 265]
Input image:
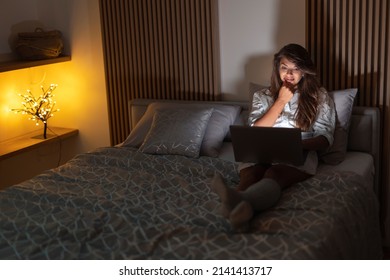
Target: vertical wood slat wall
[350, 43]
[165, 49]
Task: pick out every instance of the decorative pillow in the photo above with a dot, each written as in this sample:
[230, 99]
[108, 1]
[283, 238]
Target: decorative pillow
[177, 132]
[218, 127]
[221, 119]
[253, 88]
[343, 100]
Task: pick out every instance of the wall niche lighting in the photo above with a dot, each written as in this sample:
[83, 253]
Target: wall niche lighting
[41, 108]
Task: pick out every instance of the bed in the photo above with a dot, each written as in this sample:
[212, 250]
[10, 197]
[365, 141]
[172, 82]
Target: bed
[150, 196]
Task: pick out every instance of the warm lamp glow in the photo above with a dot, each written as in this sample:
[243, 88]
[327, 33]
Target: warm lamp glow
[41, 108]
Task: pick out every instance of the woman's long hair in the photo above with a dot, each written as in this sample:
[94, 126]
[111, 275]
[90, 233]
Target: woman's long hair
[308, 87]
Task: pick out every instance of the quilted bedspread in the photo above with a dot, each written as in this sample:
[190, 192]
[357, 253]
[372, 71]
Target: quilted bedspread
[118, 203]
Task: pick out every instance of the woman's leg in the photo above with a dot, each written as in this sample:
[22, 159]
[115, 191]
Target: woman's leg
[229, 197]
[286, 175]
[266, 193]
[233, 207]
[239, 207]
[251, 175]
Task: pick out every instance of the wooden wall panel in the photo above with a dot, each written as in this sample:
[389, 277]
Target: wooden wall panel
[165, 49]
[350, 43]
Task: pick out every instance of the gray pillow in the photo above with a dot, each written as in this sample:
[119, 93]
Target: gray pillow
[221, 119]
[253, 88]
[343, 100]
[217, 128]
[177, 132]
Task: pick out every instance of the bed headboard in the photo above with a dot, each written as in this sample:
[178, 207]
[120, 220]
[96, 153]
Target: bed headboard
[364, 133]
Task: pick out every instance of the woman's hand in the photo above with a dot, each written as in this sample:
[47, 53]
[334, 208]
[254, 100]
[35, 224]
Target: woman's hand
[286, 92]
[317, 143]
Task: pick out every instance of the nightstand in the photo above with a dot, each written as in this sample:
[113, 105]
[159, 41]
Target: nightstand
[25, 156]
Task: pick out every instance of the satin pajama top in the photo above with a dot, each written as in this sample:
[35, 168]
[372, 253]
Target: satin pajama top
[323, 125]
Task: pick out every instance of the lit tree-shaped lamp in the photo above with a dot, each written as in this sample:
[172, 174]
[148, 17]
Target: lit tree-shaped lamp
[41, 108]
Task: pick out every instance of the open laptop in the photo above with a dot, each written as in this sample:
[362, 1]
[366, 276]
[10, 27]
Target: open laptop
[267, 144]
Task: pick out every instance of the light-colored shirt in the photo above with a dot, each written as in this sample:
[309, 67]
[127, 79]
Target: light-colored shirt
[324, 123]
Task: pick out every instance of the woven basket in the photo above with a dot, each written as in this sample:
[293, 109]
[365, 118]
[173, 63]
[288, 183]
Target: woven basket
[39, 44]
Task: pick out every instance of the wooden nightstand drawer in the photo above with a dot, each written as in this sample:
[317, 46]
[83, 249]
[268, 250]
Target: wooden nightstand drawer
[26, 156]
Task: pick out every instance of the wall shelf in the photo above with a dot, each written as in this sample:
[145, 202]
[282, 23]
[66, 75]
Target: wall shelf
[20, 64]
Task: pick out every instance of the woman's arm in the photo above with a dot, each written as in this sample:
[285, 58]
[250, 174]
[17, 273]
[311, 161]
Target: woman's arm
[317, 143]
[270, 117]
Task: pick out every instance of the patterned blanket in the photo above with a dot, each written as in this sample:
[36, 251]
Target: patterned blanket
[118, 203]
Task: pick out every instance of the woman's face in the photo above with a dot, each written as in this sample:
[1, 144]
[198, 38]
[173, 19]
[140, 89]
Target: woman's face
[289, 72]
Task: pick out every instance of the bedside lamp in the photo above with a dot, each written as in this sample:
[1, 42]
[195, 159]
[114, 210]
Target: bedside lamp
[41, 108]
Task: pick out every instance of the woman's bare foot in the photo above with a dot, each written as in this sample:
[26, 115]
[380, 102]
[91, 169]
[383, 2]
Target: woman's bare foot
[241, 215]
[229, 197]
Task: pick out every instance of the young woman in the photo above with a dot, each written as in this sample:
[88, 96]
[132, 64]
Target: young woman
[294, 99]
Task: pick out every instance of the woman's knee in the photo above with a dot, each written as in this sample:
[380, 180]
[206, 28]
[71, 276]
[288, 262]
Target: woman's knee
[285, 175]
[275, 172]
[251, 175]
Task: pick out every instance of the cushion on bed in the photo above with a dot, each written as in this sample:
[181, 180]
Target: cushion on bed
[253, 88]
[242, 119]
[177, 132]
[218, 126]
[217, 129]
[343, 100]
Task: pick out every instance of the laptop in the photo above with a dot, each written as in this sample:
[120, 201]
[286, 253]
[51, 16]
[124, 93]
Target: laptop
[267, 144]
